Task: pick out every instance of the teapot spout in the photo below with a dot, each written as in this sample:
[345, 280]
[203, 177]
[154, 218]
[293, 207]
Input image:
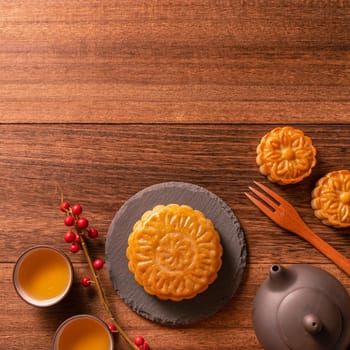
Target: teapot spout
[280, 277]
[277, 272]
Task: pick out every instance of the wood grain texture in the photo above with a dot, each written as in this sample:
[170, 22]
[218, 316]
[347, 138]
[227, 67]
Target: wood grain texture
[109, 97]
[175, 61]
[101, 166]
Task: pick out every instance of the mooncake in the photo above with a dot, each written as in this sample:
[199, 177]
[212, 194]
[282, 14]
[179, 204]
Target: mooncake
[174, 252]
[286, 155]
[331, 199]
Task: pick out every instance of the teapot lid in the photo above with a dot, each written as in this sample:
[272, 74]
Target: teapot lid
[308, 319]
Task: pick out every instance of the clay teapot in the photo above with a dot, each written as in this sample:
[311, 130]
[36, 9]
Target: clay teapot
[302, 308]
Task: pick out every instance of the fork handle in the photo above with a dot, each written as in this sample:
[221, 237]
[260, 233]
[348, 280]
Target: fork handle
[332, 254]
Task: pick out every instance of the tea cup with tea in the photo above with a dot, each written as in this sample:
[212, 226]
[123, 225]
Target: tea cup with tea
[43, 276]
[83, 332]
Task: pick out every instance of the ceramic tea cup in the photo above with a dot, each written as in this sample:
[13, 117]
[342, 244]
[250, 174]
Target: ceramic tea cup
[83, 332]
[42, 276]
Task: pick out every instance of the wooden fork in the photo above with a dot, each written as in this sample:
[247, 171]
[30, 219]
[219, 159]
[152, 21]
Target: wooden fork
[285, 215]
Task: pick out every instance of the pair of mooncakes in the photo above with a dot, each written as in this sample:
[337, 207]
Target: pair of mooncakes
[285, 155]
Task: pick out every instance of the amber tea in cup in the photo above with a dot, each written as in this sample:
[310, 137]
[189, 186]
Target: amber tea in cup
[43, 276]
[82, 332]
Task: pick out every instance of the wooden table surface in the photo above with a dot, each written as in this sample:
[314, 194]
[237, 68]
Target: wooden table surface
[109, 97]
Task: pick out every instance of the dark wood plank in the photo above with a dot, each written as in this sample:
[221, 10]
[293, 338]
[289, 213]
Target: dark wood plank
[101, 166]
[174, 61]
[229, 328]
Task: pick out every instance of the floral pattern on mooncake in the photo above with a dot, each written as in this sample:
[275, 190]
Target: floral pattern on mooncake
[331, 199]
[285, 155]
[174, 252]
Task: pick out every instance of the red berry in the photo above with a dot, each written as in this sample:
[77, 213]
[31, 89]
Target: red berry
[69, 236]
[112, 327]
[69, 220]
[139, 340]
[76, 237]
[77, 209]
[64, 206]
[93, 233]
[98, 264]
[82, 223]
[145, 346]
[86, 281]
[74, 247]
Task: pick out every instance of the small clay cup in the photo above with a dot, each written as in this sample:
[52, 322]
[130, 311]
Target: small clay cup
[42, 276]
[83, 332]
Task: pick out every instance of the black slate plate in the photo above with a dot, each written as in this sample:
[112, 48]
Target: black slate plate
[232, 239]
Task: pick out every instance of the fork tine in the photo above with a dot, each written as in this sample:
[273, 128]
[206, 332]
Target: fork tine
[271, 193]
[266, 199]
[266, 210]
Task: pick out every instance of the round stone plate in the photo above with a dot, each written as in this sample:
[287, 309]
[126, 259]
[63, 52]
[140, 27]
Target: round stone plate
[233, 260]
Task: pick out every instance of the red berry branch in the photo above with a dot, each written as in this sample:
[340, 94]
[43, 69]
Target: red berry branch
[77, 236]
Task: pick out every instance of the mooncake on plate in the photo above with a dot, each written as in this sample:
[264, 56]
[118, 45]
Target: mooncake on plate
[174, 252]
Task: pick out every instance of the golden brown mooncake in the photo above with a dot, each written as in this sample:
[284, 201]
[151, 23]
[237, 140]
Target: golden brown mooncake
[331, 199]
[286, 155]
[174, 252]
